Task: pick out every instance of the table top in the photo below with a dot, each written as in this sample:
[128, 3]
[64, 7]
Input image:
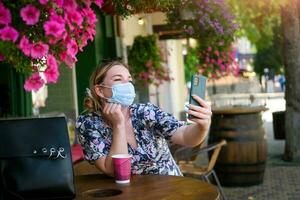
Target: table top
[146, 187]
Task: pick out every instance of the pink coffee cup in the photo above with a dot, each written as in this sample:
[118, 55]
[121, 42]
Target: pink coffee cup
[122, 167]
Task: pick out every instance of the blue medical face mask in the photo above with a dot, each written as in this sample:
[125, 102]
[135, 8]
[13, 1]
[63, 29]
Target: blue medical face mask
[122, 93]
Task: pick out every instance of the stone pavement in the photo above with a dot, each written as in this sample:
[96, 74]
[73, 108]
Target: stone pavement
[281, 179]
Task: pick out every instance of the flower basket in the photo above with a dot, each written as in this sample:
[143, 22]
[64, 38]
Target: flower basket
[145, 61]
[36, 37]
[211, 23]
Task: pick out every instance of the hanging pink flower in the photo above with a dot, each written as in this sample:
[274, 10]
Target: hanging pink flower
[9, 34]
[43, 2]
[68, 59]
[87, 3]
[59, 3]
[72, 48]
[34, 82]
[51, 73]
[74, 17]
[30, 14]
[38, 50]
[89, 15]
[70, 5]
[2, 58]
[54, 28]
[217, 53]
[99, 3]
[61, 28]
[25, 45]
[5, 16]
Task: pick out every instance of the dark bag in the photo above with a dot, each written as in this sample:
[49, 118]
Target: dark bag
[35, 159]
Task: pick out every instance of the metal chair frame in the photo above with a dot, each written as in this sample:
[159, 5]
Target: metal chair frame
[186, 162]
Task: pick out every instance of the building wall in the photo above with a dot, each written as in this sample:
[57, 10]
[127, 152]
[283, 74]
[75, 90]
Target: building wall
[178, 92]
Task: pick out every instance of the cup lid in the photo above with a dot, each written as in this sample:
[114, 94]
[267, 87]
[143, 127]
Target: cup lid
[121, 156]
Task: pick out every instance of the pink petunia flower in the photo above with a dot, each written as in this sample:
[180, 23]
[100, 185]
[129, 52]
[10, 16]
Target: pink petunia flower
[59, 3]
[51, 73]
[54, 28]
[38, 50]
[2, 58]
[34, 82]
[68, 59]
[70, 5]
[87, 3]
[9, 34]
[43, 2]
[30, 14]
[5, 16]
[25, 45]
[55, 17]
[89, 14]
[74, 17]
[72, 48]
[99, 3]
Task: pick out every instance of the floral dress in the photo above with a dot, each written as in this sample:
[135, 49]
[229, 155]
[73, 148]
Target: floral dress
[152, 129]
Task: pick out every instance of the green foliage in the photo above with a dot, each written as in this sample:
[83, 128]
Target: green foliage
[144, 48]
[13, 55]
[191, 63]
[125, 8]
[257, 19]
[145, 61]
[260, 22]
[270, 57]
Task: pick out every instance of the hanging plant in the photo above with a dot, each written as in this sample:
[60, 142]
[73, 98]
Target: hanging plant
[215, 63]
[145, 62]
[211, 23]
[212, 62]
[125, 8]
[37, 36]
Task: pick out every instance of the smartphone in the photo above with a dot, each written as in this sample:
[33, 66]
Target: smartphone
[198, 86]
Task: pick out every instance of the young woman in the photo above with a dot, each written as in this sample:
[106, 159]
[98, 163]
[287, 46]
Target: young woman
[114, 125]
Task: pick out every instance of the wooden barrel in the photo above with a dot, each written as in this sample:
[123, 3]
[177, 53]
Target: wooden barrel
[242, 161]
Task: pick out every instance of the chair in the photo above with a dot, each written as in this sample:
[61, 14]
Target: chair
[186, 157]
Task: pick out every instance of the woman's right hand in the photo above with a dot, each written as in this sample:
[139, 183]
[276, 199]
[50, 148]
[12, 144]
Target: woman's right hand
[113, 113]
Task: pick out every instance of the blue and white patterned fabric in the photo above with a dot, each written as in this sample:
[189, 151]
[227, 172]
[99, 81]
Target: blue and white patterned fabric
[152, 128]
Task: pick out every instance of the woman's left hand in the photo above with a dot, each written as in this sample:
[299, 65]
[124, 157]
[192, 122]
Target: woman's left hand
[201, 115]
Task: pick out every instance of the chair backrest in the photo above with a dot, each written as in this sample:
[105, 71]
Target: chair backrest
[216, 147]
[183, 153]
[189, 154]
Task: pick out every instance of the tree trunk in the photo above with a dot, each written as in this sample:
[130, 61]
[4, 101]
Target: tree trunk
[291, 32]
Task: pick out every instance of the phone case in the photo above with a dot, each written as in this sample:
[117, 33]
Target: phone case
[198, 86]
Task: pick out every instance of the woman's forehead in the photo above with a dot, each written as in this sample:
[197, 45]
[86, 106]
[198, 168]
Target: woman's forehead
[117, 70]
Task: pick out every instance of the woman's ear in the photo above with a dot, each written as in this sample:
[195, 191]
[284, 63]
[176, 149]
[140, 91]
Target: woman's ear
[99, 91]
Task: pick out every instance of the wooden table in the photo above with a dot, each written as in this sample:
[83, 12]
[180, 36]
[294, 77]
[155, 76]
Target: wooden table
[145, 187]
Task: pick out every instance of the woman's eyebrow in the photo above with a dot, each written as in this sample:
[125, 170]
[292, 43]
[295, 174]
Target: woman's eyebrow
[117, 75]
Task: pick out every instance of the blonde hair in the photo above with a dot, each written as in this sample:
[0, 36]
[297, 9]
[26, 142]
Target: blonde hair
[92, 102]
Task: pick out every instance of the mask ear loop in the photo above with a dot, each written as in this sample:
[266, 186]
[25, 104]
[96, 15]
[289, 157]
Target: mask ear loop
[101, 85]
